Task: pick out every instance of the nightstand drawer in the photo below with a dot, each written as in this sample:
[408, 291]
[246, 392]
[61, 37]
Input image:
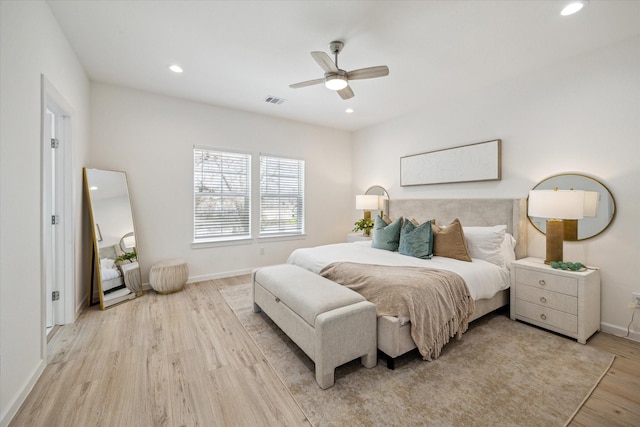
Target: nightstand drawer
[544, 298]
[548, 281]
[547, 316]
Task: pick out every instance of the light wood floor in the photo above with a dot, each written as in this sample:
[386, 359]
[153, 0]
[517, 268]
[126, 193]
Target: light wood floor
[185, 360]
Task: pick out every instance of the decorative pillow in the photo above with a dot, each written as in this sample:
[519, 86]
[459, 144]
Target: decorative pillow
[449, 241]
[486, 243]
[386, 236]
[387, 219]
[416, 241]
[508, 249]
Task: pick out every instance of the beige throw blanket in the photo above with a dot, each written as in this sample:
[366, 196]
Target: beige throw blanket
[437, 302]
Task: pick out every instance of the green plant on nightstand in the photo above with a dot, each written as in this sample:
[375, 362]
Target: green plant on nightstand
[364, 224]
[128, 256]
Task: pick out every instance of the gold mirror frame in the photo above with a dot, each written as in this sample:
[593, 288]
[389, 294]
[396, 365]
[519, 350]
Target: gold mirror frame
[587, 227]
[111, 220]
[383, 197]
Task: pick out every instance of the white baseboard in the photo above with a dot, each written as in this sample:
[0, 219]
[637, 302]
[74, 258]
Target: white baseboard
[14, 406]
[204, 277]
[194, 279]
[619, 331]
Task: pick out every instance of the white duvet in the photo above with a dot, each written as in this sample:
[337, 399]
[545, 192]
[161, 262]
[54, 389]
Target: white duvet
[483, 278]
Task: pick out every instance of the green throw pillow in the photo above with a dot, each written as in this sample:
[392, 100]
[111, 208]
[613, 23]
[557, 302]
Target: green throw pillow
[385, 236]
[416, 241]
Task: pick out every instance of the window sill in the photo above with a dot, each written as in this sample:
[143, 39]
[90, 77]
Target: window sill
[281, 237]
[222, 242]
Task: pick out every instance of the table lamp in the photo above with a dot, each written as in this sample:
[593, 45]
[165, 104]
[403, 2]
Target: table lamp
[556, 205]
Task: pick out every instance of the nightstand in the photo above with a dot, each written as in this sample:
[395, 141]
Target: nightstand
[567, 302]
[357, 237]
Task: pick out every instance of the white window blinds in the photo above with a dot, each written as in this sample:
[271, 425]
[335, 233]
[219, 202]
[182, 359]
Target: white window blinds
[281, 196]
[222, 194]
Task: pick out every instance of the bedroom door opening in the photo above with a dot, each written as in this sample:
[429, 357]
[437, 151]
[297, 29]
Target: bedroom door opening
[57, 222]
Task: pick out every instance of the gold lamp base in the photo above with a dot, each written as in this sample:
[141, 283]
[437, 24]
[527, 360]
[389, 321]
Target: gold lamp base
[367, 214]
[555, 237]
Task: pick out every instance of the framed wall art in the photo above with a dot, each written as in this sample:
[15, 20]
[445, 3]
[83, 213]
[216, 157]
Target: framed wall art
[466, 163]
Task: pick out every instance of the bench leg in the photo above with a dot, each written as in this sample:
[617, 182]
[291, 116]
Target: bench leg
[324, 379]
[370, 360]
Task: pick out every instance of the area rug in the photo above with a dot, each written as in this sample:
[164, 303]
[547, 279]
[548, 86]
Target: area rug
[501, 373]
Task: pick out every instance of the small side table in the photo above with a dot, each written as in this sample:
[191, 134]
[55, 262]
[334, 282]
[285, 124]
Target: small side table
[357, 237]
[567, 302]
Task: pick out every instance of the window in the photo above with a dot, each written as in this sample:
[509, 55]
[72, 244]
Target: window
[222, 194]
[281, 196]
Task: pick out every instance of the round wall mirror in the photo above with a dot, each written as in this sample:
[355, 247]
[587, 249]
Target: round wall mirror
[600, 206]
[383, 198]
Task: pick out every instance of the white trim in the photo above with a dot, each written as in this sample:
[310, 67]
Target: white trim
[202, 278]
[619, 331]
[14, 406]
[53, 100]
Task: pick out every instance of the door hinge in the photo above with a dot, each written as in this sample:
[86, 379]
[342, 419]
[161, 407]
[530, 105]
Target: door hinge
[55, 143]
[55, 295]
[55, 219]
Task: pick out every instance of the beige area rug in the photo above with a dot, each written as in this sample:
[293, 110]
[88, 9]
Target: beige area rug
[502, 373]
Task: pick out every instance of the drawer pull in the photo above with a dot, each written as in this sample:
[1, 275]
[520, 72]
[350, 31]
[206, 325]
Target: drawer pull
[542, 282]
[543, 299]
[277, 299]
[543, 317]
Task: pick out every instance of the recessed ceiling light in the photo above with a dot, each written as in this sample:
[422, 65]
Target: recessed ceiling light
[572, 8]
[175, 68]
[93, 188]
[349, 110]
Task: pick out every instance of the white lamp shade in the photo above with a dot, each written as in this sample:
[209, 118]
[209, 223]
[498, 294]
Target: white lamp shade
[366, 201]
[129, 242]
[591, 203]
[557, 204]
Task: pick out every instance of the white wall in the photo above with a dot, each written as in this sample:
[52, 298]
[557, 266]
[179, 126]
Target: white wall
[581, 115]
[31, 44]
[151, 138]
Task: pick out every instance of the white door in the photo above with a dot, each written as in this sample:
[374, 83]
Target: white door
[57, 216]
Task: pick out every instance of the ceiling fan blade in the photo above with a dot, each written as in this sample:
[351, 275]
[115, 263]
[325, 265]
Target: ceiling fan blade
[368, 73]
[307, 83]
[346, 93]
[324, 61]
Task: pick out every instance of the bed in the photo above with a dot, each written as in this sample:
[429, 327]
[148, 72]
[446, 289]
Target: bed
[110, 275]
[488, 283]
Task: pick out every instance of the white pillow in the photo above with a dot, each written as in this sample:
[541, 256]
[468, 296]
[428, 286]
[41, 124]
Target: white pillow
[107, 263]
[508, 249]
[486, 243]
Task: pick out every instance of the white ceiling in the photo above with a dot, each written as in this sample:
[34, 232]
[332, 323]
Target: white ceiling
[236, 53]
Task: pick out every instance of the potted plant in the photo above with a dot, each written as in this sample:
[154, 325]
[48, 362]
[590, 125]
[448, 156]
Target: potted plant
[128, 256]
[364, 224]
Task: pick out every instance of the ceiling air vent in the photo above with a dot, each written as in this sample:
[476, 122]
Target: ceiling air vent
[274, 100]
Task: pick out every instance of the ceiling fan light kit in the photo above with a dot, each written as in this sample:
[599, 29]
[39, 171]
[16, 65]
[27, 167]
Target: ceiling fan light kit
[336, 78]
[335, 81]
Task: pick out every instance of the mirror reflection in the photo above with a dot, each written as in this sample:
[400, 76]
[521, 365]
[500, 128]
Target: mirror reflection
[383, 198]
[115, 258]
[600, 206]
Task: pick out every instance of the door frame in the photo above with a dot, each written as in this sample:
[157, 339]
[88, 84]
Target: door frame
[64, 266]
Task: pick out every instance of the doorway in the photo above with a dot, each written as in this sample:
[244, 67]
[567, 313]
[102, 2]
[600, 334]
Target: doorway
[57, 214]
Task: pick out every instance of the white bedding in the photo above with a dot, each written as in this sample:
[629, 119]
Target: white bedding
[483, 278]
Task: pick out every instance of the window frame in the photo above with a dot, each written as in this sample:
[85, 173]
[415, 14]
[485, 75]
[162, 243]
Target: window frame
[246, 195]
[300, 195]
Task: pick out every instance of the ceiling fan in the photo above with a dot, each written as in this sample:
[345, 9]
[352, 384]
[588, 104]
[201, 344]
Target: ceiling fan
[337, 79]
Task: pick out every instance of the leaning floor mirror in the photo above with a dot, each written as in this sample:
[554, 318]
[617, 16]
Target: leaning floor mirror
[115, 275]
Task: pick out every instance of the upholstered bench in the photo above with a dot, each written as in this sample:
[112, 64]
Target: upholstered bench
[331, 323]
[169, 276]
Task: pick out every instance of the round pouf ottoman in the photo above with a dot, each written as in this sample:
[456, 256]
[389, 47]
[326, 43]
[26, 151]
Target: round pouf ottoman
[169, 276]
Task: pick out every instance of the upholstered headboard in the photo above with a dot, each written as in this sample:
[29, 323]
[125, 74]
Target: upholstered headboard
[470, 212]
